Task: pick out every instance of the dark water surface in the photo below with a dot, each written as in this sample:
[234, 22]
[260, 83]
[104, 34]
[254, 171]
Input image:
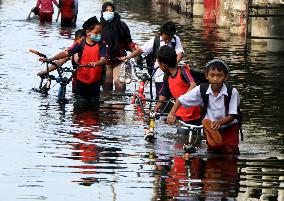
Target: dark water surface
[79, 152]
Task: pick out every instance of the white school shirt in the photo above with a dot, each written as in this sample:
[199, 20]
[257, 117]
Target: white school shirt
[216, 105]
[148, 48]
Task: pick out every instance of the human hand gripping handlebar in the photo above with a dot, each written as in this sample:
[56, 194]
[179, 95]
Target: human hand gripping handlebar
[43, 58]
[62, 78]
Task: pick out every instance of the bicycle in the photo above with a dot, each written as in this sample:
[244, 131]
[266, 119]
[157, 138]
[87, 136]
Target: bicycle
[128, 68]
[195, 135]
[61, 79]
[152, 115]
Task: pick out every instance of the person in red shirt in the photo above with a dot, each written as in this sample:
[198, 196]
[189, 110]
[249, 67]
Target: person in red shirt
[66, 9]
[177, 83]
[80, 36]
[92, 52]
[46, 10]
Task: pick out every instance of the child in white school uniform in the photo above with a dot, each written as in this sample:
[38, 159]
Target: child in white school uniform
[167, 36]
[222, 117]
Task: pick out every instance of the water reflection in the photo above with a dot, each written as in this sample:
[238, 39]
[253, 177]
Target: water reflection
[197, 178]
[262, 179]
[58, 152]
[97, 159]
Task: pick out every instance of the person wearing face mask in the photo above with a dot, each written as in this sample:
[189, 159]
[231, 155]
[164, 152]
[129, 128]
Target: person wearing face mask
[92, 52]
[117, 36]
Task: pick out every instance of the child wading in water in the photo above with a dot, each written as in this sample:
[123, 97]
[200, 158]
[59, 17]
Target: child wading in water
[220, 124]
[80, 35]
[87, 80]
[177, 81]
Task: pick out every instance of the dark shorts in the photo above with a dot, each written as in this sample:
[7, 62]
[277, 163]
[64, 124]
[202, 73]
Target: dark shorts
[86, 90]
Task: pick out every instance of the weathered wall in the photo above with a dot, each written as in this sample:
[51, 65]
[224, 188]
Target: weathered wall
[232, 14]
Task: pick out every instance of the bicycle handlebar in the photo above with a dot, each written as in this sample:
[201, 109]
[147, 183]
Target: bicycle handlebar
[162, 113]
[190, 126]
[37, 53]
[142, 67]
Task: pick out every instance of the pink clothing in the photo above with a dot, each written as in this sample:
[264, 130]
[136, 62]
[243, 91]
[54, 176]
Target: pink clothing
[46, 6]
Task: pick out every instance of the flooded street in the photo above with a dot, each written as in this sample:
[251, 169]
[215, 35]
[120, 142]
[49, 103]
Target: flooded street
[82, 151]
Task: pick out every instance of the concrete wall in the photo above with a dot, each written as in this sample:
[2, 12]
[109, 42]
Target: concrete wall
[182, 6]
[232, 14]
[275, 28]
[198, 8]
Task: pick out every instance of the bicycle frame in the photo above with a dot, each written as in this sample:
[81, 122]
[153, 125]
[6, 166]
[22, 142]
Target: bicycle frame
[62, 80]
[140, 92]
[150, 131]
[142, 79]
[195, 135]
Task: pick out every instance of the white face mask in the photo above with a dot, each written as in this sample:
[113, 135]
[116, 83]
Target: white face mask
[108, 16]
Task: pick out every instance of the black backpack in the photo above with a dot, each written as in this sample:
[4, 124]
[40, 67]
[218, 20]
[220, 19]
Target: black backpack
[205, 97]
[151, 58]
[198, 76]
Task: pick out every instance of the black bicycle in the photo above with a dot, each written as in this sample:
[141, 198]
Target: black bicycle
[61, 79]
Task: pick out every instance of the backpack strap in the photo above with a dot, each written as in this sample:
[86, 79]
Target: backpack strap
[227, 99]
[82, 45]
[101, 44]
[182, 70]
[204, 96]
[156, 47]
[239, 115]
[174, 42]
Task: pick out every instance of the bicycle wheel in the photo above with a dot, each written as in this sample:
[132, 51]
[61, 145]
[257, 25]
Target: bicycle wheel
[62, 92]
[44, 89]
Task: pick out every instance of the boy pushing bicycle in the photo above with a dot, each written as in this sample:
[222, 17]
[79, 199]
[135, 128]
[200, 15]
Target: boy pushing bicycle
[221, 104]
[92, 52]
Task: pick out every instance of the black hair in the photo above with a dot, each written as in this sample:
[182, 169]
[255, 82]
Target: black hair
[218, 64]
[35, 10]
[80, 33]
[90, 23]
[168, 28]
[106, 4]
[167, 55]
